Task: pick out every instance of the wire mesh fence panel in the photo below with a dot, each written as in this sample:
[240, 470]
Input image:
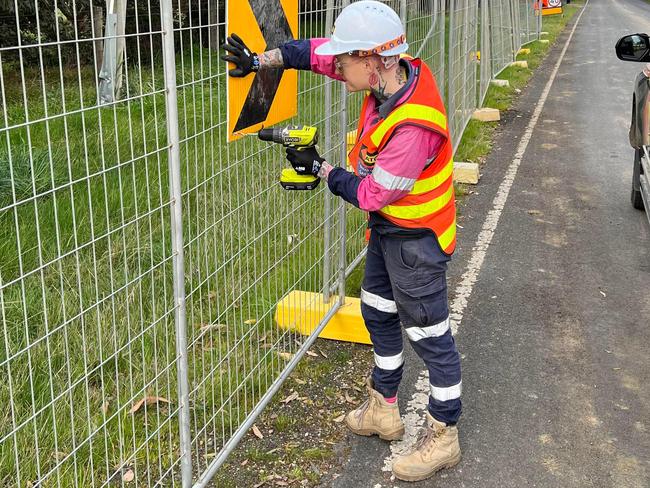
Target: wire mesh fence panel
[249, 243]
[462, 65]
[425, 29]
[86, 288]
[528, 21]
[501, 35]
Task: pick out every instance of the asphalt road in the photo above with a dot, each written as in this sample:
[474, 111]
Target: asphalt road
[555, 337]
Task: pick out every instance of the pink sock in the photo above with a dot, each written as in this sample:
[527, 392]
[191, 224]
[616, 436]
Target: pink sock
[391, 400]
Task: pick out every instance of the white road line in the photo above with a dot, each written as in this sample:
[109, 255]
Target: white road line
[414, 417]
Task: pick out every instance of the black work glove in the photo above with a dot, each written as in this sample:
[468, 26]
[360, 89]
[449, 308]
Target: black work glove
[244, 60]
[305, 161]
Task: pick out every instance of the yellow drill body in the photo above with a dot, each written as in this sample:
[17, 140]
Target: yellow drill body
[297, 137]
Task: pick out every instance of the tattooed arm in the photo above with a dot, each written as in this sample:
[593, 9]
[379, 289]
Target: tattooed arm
[271, 59]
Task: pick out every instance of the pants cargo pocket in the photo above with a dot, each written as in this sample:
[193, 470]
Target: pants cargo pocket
[421, 305]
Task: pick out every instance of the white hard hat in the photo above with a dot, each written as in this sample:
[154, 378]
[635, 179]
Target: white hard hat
[369, 27]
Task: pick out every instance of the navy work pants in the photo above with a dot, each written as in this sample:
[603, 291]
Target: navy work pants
[405, 281]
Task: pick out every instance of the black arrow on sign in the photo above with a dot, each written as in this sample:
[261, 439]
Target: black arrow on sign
[275, 30]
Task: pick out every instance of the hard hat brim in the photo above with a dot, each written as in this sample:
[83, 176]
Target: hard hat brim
[328, 49]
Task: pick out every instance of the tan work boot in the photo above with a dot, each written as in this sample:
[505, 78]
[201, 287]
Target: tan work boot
[376, 416]
[437, 448]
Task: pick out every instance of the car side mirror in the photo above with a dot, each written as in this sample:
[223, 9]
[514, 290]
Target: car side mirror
[635, 47]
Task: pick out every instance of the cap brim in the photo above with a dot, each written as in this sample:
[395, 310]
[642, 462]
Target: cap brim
[326, 49]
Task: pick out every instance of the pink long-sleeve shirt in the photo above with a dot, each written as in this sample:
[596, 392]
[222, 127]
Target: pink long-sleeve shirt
[401, 162]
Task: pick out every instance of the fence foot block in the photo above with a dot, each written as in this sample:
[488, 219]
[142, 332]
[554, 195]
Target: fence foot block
[543, 33]
[519, 64]
[524, 50]
[543, 41]
[487, 114]
[497, 82]
[350, 139]
[303, 310]
[466, 172]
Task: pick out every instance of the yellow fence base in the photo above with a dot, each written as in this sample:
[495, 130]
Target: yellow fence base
[302, 311]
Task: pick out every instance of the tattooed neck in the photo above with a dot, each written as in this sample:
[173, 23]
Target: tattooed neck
[381, 88]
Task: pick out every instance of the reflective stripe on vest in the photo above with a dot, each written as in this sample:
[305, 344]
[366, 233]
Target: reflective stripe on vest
[422, 210]
[428, 184]
[409, 111]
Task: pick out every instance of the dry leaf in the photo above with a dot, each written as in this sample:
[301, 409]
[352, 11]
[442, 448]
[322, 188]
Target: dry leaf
[60, 456]
[300, 382]
[287, 356]
[339, 419]
[244, 462]
[207, 327]
[312, 354]
[128, 476]
[105, 407]
[257, 432]
[322, 353]
[212, 295]
[602, 293]
[534, 212]
[348, 398]
[250, 321]
[149, 400]
[291, 397]
[263, 338]
[281, 483]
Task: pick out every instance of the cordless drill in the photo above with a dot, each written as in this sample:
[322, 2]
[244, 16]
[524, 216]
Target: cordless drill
[297, 137]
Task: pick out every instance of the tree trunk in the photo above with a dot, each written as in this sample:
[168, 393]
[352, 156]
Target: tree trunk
[213, 29]
[98, 31]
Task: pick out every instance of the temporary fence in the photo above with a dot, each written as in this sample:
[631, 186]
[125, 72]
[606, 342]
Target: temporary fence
[142, 255]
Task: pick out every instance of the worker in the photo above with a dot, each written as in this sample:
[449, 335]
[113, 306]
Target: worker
[402, 162]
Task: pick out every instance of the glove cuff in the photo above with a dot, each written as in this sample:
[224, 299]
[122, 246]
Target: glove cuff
[255, 66]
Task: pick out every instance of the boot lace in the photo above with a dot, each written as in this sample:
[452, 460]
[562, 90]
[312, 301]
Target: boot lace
[426, 435]
[363, 408]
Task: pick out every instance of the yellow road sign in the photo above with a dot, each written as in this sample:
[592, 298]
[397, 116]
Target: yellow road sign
[268, 96]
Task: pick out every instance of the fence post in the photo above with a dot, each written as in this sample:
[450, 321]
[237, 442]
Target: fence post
[539, 19]
[327, 205]
[441, 15]
[344, 159]
[450, 64]
[180, 319]
[513, 29]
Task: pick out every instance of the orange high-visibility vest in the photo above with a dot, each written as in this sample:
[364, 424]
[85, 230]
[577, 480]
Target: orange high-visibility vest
[430, 204]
